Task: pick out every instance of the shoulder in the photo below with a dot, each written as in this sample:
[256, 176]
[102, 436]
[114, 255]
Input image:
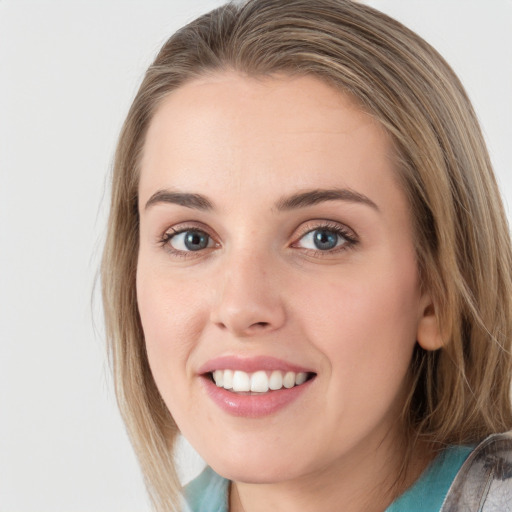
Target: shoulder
[484, 482]
[207, 493]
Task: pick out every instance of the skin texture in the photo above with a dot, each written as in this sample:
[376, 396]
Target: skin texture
[351, 314]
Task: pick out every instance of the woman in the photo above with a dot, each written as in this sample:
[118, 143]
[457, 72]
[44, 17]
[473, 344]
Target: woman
[307, 269]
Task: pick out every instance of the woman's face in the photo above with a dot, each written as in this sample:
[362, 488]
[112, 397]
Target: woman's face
[276, 245]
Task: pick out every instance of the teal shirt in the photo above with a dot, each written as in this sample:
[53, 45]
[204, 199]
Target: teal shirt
[209, 492]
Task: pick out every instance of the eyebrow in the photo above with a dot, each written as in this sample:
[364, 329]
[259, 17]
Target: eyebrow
[295, 201]
[312, 197]
[195, 201]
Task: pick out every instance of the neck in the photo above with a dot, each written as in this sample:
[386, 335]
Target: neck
[362, 482]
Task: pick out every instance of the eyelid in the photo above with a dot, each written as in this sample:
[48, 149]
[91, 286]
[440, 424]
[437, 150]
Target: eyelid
[188, 226]
[182, 227]
[341, 229]
[312, 225]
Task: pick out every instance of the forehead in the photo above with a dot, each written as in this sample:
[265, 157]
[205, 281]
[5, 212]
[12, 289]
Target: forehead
[229, 131]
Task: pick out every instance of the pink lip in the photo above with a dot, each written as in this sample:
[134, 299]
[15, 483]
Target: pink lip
[252, 405]
[250, 364]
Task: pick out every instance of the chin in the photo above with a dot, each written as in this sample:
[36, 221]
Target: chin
[255, 473]
[259, 466]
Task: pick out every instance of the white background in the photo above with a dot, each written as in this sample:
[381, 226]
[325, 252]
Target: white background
[68, 71]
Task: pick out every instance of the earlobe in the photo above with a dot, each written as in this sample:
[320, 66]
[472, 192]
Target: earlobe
[429, 334]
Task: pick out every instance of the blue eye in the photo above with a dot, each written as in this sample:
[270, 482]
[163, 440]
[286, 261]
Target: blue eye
[323, 239]
[190, 240]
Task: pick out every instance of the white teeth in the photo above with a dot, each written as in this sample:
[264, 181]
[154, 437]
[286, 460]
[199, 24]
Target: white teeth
[218, 377]
[227, 380]
[301, 378]
[276, 380]
[241, 381]
[289, 380]
[257, 382]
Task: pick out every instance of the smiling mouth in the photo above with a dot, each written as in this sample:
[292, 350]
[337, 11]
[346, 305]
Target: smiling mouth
[259, 382]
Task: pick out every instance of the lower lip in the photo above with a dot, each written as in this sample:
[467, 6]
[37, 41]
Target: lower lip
[257, 405]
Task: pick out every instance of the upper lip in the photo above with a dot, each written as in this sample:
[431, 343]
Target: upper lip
[251, 364]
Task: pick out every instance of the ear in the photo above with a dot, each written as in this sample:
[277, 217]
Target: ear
[429, 334]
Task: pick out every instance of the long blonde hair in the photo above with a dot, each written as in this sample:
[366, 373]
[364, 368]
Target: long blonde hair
[460, 393]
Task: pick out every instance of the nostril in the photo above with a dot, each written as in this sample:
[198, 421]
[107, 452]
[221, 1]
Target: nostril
[261, 324]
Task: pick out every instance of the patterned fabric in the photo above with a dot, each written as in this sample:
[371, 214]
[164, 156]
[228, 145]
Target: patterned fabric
[484, 482]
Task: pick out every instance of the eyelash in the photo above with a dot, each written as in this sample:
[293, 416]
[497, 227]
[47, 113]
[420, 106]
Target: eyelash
[166, 238]
[350, 239]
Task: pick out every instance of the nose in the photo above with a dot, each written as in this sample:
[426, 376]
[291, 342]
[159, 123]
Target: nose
[249, 297]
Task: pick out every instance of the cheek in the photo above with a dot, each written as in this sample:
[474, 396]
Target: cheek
[365, 323]
[171, 321]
